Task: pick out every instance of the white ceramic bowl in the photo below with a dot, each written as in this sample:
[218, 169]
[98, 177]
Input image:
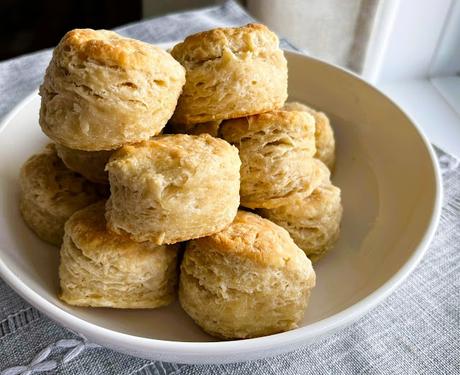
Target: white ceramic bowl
[391, 194]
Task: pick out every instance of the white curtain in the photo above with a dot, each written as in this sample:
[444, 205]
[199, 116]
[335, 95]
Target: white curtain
[337, 31]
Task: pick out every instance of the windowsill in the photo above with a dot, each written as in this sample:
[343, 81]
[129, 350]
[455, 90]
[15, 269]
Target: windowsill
[434, 105]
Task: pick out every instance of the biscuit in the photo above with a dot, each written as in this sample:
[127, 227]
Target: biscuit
[313, 221]
[102, 90]
[51, 193]
[276, 151]
[173, 188]
[102, 269]
[231, 72]
[90, 164]
[210, 127]
[324, 135]
[247, 281]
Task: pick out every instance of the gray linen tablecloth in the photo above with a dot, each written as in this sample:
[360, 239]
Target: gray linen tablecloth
[416, 330]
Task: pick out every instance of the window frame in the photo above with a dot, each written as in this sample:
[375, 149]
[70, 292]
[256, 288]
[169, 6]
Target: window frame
[413, 56]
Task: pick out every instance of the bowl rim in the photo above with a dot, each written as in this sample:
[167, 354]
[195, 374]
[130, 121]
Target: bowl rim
[235, 347]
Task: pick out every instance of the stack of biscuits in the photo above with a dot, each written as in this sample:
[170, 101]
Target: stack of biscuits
[156, 154]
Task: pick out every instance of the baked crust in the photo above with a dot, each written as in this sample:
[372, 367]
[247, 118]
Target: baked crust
[207, 45]
[313, 221]
[90, 164]
[102, 269]
[51, 193]
[231, 72]
[101, 90]
[246, 281]
[173, 188]
[276, 151]
[324, 134]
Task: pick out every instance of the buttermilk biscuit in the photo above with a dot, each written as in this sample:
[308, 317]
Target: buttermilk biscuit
[313, 221]
[173, 188]
[101, 90]
[231, 72]
[210, 127]
[51, 193]
[89, 164]
[248, 280]
[324, 135]
[276, 151]
[102, 269]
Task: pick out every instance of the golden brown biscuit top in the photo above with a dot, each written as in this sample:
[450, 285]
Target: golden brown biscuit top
[211, 44]
[111, 49]
[320, 117]
[322, 199]
[166, 151]
[88, 231]
[45, 174]
[296, 106]
[235, 129]
[258, 239]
